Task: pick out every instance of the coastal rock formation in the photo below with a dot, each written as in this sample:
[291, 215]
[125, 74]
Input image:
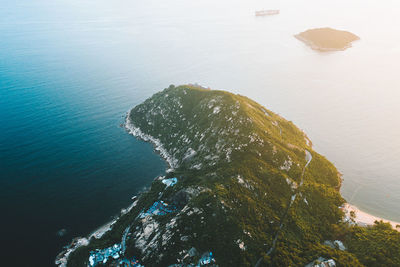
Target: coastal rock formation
[244, 188]
[327, 39]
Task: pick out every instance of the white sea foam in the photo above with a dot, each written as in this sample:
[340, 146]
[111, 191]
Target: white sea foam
[158, 146]
[62, 258]
[125, 211]
[98, 233]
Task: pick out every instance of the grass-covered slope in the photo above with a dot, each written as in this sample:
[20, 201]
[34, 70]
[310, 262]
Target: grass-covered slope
[244, 191]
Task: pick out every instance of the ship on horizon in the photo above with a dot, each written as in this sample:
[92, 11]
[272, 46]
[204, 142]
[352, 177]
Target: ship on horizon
[268, 12]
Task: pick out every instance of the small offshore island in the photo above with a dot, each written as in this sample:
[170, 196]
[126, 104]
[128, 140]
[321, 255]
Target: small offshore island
[327, 39]
[244, 188]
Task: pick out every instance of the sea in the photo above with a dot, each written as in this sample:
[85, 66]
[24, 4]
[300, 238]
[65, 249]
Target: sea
[71, 69]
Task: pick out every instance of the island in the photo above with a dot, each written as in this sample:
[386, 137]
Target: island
[244, 187]
[327, 39]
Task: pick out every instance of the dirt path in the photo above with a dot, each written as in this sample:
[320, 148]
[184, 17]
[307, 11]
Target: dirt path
[292, 199]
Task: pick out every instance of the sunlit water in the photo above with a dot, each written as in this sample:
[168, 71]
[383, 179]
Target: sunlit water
[69, 70]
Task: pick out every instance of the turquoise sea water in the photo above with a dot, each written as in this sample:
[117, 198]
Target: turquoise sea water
[70, 70]
[65, 162]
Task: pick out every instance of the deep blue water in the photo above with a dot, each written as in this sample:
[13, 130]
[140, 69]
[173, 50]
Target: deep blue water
[65, 162]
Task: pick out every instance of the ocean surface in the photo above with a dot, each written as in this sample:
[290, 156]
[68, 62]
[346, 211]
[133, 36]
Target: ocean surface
[71, 69]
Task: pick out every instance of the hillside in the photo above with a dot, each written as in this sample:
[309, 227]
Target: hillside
[244, 188]
[327, 39]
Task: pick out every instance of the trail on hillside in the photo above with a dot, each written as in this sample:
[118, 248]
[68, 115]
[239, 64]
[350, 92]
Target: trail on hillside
[292, 199]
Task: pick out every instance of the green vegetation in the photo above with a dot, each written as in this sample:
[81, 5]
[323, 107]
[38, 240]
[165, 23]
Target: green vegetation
[240, 186]
[377, 245]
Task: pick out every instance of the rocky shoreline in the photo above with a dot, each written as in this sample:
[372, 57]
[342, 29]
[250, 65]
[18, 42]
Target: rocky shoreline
[62, 258]
[158, 146]
[192, 214]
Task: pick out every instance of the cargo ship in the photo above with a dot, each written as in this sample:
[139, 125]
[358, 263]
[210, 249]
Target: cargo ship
[267, 12]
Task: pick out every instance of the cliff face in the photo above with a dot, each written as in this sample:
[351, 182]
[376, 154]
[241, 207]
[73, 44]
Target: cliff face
[244, 187]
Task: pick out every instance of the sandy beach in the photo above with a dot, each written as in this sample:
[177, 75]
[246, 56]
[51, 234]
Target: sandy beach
[364, 219]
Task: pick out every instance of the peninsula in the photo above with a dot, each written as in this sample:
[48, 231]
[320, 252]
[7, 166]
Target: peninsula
[327, 39]
[244, 188]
